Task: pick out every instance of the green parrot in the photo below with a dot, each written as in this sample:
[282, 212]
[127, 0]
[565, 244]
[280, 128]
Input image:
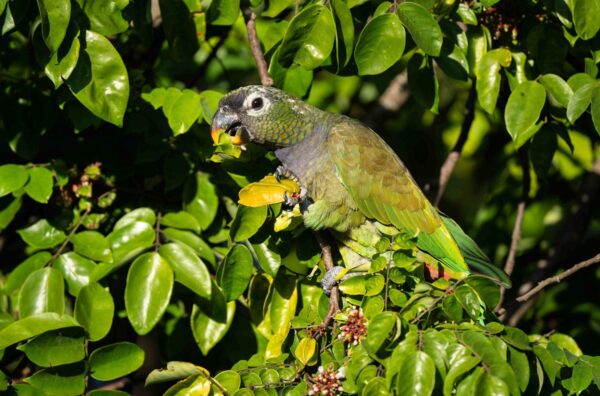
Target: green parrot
[352, 182]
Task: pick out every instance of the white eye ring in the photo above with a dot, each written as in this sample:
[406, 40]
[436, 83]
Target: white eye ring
[256, 104]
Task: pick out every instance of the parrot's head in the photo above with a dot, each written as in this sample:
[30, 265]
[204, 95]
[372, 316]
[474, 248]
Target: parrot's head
[262, 115]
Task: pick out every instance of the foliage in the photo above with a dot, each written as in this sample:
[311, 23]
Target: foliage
[123, 243]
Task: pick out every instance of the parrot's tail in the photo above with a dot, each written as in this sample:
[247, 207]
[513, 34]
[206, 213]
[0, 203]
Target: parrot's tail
[473, 255]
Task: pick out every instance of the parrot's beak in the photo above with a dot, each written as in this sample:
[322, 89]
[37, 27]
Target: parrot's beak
[225, 121]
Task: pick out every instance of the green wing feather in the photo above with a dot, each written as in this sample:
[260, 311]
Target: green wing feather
[473, 255]
[383, 190]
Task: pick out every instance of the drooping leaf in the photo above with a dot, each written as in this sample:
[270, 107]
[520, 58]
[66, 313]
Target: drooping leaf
[236, 271]
[55, 20]
[100, 80]
[115, 360]
[417, 375]
[189, 269]
[94, 310]
[488, 77]
[200, 199]
[210, 324]
[148, 291]
[380, 45]
[106, 16]
[523, 110]
[584, 17]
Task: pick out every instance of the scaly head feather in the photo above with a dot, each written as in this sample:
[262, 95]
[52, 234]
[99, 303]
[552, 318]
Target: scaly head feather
[263, 115]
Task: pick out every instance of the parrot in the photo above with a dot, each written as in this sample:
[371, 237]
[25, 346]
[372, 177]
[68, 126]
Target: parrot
[352, 182]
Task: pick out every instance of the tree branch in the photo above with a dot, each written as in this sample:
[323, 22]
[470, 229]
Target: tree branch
[560, 277]
[259, 58]
[334, 296]
[454, 155]
[392, 99]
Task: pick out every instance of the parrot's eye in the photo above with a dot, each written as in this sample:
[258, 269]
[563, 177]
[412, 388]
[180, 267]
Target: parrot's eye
[257, 103]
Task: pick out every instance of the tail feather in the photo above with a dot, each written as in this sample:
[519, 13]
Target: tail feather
[473, 255]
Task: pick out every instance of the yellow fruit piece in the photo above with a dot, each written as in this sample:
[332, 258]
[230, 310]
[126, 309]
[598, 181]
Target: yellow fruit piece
[267, 191]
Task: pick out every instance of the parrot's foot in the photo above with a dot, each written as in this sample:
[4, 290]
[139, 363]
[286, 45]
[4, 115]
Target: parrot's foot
[330, 279]
[296, 198]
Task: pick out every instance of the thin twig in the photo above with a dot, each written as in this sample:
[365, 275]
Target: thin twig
[509, 265]
[559, 277]
[454, 155]
[259, 58]
[68, 238]
[435, 302]
[334, 296]
[157, 233]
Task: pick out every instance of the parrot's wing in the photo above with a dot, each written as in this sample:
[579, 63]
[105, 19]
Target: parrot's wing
[383, 190]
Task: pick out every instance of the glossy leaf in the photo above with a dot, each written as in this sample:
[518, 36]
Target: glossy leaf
[65, 380]
[94, 310]
[230, 380]
[417, 375]
[145, 215]
[247, 222]
[423, 27]
[192, 240]
[595, 108]
[130, 240]
[106, 16]
[380, 328]
[380, 45]
[42, 235]
[8, 210]
[148, 291]
[284, 300]
[15, 279]
[182, 220]
[580, 101]
[43, 291]
[488, 77]
[115, 360]
[12, 178]
[100, 80]
[236, 271]
[306, 349]
[210, 324]
[32, 326]
[93, 245]
[200, 199]
[584, 17]
[55, 20]
[523, 109]
[59, 65]
[462, 366]
[223, 12]
[39, 186]
[175, 371]
[309, 38]
[557, 88]
[76, 270]
[189, 270]
[55, 348]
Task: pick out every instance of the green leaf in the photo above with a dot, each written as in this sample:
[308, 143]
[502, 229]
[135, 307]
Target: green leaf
[192, 240]
[275, 7]
[93, 245]
[55, 20]
[596, 108]
[130, 240]
[210, 324]
[145, 215]
[32, 326]
[230, 380]
[461, 366]
[558, 89]
[585, 19]
[469, 301]
[497, 366]
[566, 342]
[42, 235]
[103, 392]
[100, 80]
[209, 100]
[235, 272]
[175, 371]
[60, 64]
[416, 376]
[223, 12]
[268, 259]
[61, 381]
[43, 291]
[516, 337]
[189, 270]
[380, 45]
[148, 291]
[488, 77]
[295, 80]
[581, 378]
[354, 285]
[379, 328]
[490, 385]
[550, 366]
[344, 39]
[247, 222]
[182, 109]
[486, 289]
[19, 274]
[423, 27]
[309, 38]
[115, 360]
[423, 82]
[182, 220]
[9, 207]
[12, 178]
[200, 199]
[94, 310]
[523, 109]
[76, 270]
[39, 187]
[520, 364]
[106, 16]
[580, 101]
[55, 348]
[284, 300]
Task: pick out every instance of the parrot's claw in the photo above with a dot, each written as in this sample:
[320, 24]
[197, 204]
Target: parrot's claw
[297, 198]
[282, 171]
